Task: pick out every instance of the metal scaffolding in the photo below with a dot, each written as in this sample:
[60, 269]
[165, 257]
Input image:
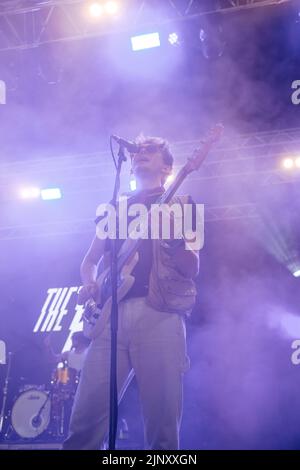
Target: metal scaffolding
[28, 24]
[258, 154]
[252, 158]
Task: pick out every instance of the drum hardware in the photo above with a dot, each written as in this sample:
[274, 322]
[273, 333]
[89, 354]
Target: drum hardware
[58, 423]
[37, 411]
[37, 420]
[64, 384]
[26, 387]
[61, 374]
[5, 392]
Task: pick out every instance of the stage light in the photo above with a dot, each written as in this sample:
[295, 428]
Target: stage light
[288, 163]
[173, 39]
[30, 193]
[95, 9]
[111, 7]
[133, 185]
[296, 273]
[212, 40]
[145, 41]
[50, 193]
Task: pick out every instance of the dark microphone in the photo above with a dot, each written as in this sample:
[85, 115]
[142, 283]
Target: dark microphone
[130, 146]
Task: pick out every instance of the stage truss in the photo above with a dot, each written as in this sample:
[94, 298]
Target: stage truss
[250, 159]
[28, 24]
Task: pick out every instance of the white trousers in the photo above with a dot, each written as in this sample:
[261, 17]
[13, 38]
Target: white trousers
[153, 344]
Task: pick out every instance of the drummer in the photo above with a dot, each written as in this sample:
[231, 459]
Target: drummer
[73, 358]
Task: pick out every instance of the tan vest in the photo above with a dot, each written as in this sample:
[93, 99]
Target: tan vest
[169, 290]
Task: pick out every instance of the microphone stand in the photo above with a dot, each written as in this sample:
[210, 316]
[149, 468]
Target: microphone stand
[37, 420]
[113, 404]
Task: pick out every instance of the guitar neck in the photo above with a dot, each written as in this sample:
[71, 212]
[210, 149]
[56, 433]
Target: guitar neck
[163, 199]
[169, 193]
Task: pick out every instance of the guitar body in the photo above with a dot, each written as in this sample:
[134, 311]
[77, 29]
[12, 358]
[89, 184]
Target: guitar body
[96, 313]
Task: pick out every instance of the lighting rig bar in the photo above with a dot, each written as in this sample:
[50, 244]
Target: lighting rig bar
[26, 24]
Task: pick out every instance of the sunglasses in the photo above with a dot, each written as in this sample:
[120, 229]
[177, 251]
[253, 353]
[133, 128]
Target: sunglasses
[147, 148]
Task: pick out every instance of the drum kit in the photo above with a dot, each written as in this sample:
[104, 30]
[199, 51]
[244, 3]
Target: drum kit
[40, 414]
[43, 413]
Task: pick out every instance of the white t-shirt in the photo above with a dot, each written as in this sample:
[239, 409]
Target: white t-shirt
[75, 360]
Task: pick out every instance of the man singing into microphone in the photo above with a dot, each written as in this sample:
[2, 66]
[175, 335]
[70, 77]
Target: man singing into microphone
[151, 334]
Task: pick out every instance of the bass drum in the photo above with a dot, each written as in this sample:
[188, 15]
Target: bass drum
[30, 415]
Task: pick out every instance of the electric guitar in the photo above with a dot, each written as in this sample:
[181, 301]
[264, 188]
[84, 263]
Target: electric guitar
[96, 312]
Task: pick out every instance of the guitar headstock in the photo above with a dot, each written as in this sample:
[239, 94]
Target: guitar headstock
[200, 154]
